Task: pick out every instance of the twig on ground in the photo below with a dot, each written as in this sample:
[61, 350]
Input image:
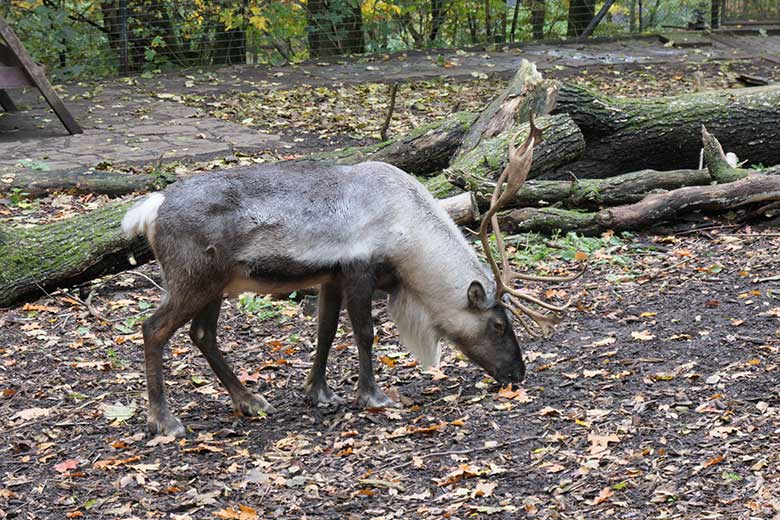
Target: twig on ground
[390, 109]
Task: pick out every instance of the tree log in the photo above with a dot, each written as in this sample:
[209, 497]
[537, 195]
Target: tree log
[562, 143]
[39, 183]
[625, 135]
[738, 187]
[38, 259]
[653, 209]
[595, 193]
[526, 93]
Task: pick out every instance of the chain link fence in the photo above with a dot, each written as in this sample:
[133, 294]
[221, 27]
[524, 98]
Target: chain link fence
[88, 38]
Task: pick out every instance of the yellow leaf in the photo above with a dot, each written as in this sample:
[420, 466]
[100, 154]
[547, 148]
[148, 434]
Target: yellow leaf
[259, 22]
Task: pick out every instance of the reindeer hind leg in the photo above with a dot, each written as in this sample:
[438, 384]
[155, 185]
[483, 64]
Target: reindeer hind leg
[203, 333]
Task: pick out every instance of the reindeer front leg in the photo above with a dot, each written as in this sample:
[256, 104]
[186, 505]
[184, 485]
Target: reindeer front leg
[316, 387]
[358, 288]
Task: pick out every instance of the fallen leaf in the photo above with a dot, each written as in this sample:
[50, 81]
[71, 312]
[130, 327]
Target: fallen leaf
[66, 465]
[31, 413]
[642, 335]
[483, 489]
[113, 463]
[242, 513]
[600, 443]
[118, 412]
[604, 495]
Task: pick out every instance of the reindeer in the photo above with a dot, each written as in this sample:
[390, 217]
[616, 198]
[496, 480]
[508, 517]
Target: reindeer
[349, 230]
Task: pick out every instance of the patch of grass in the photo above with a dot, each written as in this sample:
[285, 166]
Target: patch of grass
[531, 249]
[19, 198]
[263, 307]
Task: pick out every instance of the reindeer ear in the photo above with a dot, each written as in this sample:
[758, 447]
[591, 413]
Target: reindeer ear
[477, 296]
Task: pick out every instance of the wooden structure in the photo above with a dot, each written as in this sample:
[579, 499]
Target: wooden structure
[750, 12]
[17, 69]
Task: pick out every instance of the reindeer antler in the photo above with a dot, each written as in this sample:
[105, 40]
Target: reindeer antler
[515, 175]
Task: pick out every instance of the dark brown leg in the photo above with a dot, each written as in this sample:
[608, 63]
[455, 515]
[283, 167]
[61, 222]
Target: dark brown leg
[157, 330]
[359, 289]
[203, 332]
[316, 387]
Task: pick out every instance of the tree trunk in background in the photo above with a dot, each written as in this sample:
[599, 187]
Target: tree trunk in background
[335, 28]
[230, 47]
[488, 22]
[438, 13]
[581, 12]
[626, 134]
[148, 19]
[537, 18]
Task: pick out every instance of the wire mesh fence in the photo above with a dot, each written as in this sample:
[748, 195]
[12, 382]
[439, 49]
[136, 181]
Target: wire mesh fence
[78, 38]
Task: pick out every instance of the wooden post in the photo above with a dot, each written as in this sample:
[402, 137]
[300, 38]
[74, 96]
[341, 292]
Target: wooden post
[714, 14]
[596, 19]
[36, 76]
[6, 102]
[124, 63]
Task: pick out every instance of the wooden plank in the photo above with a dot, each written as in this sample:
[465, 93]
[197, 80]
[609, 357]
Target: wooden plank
[13, 77]
[36, 75]
[6, 102]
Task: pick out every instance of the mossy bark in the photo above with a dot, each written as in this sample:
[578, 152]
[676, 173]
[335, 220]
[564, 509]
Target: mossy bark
[562, 143]
[625, 135]
[526, 93]
[65, 253]
[756, 187]
[594, 193]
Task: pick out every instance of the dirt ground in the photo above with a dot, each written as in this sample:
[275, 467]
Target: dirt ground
[657, 397]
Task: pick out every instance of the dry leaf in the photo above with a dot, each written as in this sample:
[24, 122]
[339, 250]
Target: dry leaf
[642, 335]
[242, 513]
[603, 496]
[66, 465]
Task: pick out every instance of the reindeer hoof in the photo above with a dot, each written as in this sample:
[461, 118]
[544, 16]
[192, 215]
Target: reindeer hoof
[165, 425]
[375, 399]
[251, 406]
[323, 396]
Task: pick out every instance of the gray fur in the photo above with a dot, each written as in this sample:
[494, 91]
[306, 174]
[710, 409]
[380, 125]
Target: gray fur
[286, 226]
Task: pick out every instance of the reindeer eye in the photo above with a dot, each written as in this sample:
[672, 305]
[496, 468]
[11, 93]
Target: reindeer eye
[498, 327]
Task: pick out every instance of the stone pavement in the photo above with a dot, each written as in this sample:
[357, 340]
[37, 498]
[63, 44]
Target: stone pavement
[138, 121]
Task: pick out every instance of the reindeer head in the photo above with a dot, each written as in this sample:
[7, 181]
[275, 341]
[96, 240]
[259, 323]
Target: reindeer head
[495, 347]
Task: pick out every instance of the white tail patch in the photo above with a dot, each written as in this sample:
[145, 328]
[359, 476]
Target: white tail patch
[417, 331]
[139, 220]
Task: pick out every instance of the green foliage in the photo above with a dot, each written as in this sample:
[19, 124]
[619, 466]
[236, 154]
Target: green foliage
[80, 38]
[262, 307]
[532, 248]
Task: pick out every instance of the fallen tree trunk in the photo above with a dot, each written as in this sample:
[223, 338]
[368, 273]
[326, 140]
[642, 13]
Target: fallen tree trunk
[738, 187]
[625, 135]
[526, 93]
[39, 183]
[65, 253]
[653, 209]
[595, 193]
[562, 143]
